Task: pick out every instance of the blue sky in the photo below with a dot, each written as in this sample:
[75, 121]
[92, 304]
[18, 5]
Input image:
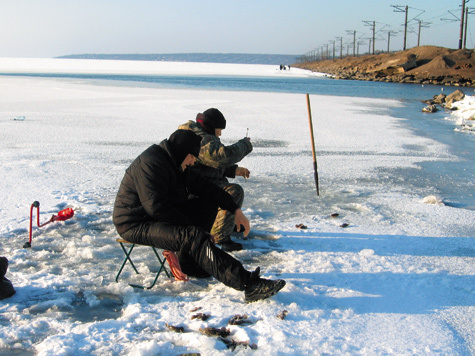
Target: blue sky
[50, 28]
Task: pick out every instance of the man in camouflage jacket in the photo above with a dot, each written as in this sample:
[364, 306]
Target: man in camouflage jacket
[218, 162]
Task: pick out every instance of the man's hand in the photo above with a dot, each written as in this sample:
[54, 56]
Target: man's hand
[243, 172]
[240, 219]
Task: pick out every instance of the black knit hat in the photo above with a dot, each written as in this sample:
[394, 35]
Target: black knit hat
[183, 142]
[211, 119]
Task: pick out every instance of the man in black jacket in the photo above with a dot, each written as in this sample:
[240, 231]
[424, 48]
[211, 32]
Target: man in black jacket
[163, 204]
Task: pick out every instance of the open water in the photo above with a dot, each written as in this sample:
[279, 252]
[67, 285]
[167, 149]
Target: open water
[310, 85]
[453, 181]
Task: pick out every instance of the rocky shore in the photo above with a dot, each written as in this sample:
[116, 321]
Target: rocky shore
[445, 101]
[462, 108]
[419, 65]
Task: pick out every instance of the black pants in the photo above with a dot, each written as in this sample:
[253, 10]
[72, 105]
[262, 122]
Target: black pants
[196, 252]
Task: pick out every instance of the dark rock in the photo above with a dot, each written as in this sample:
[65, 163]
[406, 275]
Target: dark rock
[239, 320]
[209, 331]
[455, 96]
[200, 316]
[177, 329]
[232, 344]
[282, 314]
[439, 99]
[430, 109]
[411, 64]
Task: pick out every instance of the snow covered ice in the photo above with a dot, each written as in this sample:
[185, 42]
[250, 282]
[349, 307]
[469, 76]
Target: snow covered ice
[399, 280]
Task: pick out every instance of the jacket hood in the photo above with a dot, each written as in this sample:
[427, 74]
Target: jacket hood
[164, 145]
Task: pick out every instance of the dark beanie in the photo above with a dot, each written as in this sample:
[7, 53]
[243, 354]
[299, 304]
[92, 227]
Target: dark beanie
[211, 119]
[183, 142]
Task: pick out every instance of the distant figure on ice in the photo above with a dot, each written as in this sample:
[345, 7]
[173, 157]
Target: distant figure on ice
[163, 203]
[218, 162]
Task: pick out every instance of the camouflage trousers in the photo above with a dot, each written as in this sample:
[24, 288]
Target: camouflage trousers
[224, 224]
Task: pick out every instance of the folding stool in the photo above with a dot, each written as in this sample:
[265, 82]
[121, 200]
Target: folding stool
[127, 258]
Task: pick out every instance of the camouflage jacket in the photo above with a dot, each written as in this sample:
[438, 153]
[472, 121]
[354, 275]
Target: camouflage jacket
[217, 161]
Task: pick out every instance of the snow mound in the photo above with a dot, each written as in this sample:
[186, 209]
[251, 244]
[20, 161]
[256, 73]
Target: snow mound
[432, 199]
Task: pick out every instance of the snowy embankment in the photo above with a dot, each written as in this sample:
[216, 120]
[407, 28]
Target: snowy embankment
[464, 116]
[399, 280]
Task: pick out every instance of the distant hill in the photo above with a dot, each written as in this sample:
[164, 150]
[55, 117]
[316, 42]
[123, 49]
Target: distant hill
[421, 65]
[238, 58]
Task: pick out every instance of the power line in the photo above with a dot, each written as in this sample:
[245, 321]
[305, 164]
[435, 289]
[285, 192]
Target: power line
[389, 37]
[341, 46]
[354, 39]
[333, 42]
[462, 17]
[406, 10]
[373, 27]
[412, 23]
[421, 25]
[398, 8]
[467, 12]
[463, 23]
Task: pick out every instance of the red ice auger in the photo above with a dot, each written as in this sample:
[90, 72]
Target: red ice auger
[63, 215]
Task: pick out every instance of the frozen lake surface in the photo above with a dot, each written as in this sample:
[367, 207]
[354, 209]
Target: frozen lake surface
[399, 280]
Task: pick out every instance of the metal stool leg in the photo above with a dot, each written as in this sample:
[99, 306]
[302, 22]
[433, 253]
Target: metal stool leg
[162, 268]
[162, 263]
[127, 258]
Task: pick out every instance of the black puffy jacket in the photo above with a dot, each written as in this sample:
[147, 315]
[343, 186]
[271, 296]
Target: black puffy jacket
[154, 188]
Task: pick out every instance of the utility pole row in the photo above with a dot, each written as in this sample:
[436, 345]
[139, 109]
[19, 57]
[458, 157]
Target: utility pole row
[323, 53]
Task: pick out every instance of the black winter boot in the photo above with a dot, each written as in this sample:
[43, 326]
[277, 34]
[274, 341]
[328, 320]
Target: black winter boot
[254, 276]
[260, 288]
[6, 288]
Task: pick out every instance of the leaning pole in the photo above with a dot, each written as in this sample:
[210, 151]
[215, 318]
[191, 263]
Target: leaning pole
[315, 168]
